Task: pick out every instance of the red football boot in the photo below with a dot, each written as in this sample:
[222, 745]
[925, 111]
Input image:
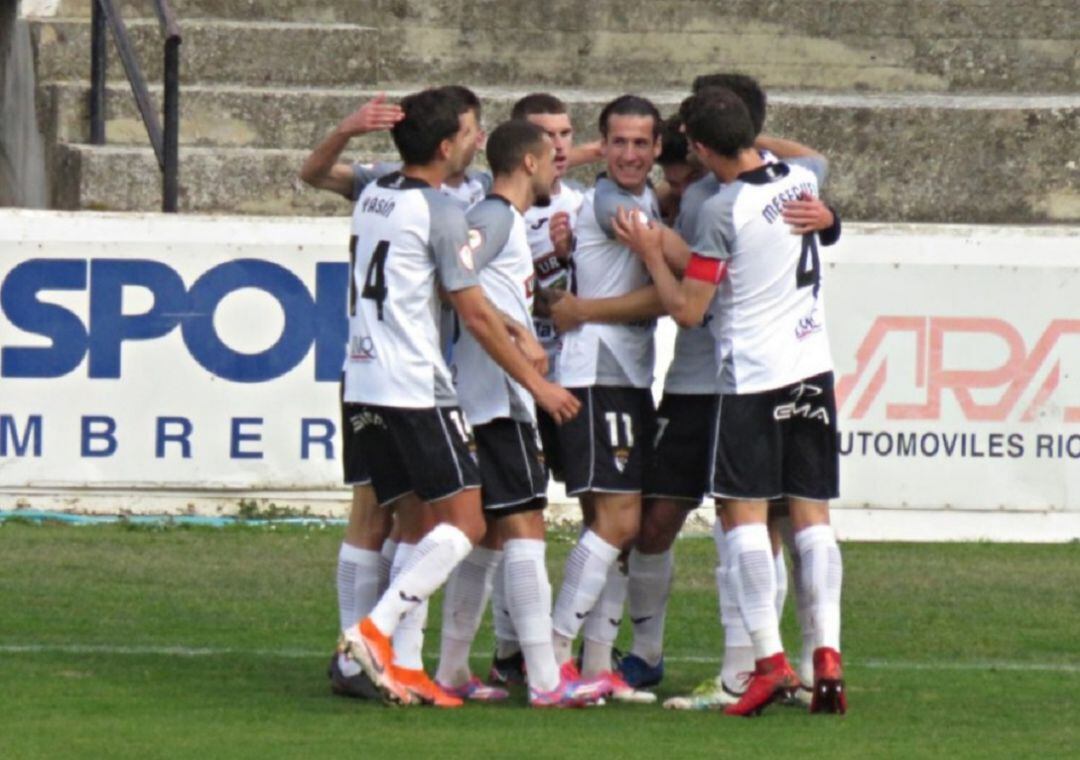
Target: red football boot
[830, 696]
[772, 679]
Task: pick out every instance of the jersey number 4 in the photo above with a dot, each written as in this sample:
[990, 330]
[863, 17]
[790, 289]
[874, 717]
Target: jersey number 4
[375, 278]
[809, 270]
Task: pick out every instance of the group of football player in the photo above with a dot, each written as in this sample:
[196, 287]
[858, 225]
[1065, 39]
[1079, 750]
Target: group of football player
[501, 332]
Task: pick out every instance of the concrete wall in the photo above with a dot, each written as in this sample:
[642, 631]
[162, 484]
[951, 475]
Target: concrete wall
[22, 158]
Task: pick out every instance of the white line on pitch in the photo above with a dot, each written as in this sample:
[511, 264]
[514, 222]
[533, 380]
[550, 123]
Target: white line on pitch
[184, 651]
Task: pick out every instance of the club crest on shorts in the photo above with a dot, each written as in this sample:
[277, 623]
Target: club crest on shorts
[621, 458]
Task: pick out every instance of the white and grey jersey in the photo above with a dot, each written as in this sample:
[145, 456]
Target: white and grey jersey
[467, 194]
[551, 272]
[608, 354]
[501, 254]
[768, 312]
[405, 235]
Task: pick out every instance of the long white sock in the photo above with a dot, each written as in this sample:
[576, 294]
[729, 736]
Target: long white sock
[408, 638]
[738, 648]
[584, 580]
[602, 626]
[506, 642]
[648, 592]
[386, 563]
[802, 611]
[357, 583]
[780, 568]
[751, 560]
[529, 601]
[428, 567]
[465, 597]
[822, 574]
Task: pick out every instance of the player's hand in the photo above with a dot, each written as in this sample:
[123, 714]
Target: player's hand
[562, 236]
[808, 214]
[566, 312]
[560, 403]
[532, 350]
[636, 232]
[373, 116]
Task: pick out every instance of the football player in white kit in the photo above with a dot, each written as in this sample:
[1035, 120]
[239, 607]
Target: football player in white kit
[548, 225]
[410, 432]
[512, 472]
[774, 431]
[609, 367]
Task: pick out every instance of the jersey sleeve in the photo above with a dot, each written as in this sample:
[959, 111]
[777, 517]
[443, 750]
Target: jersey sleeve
[448, 239]
[714, 236]
[490, 222]
[607, 198]
[818, 165]
[365, 174]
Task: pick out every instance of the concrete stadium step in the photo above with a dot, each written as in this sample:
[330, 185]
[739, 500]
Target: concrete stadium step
[619, 49]
[913, 158]
[254, 53]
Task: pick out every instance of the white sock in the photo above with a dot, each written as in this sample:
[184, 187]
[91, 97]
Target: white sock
[583, 582]
[802, 612]
[506, 642]
[386, 562]
[780, 568]
[751, 560]
[822, 575]
[428, 567]
[650, 586]
[602, 626]
[738, 649]
[408, 638]
[357, 583]
[529, 601]
[464, 599]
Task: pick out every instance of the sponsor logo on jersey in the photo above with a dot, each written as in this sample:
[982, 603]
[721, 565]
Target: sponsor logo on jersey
[808, 325]
[539, 223]
[361, 348]
[476, 239]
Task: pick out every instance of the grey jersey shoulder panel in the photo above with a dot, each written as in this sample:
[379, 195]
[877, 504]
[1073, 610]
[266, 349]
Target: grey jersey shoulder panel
[714, 236]
[365, 174]
[448, 239]
[481, 178]
[608, 198]
[693, 199]
[819, 165]
[493, 219]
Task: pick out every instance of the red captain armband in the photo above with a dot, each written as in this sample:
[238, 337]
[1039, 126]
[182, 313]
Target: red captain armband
[705, 269]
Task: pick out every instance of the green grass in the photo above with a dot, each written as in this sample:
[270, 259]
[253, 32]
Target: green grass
[943, 645]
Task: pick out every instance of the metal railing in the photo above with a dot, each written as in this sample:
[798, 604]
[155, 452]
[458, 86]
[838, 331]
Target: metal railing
[166, 143]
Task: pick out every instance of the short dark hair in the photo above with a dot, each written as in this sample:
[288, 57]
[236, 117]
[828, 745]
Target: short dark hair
[535, 104]
[746, 87]
[467, 99]
[674, 146]
[718, 119]
[630, 105]
[431, 116]
[508, 144]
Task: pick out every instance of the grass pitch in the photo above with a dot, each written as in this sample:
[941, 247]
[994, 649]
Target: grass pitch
[213, 643]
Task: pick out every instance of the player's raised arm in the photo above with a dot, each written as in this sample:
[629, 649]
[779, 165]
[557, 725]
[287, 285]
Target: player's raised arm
[687, 300]
[322, 169]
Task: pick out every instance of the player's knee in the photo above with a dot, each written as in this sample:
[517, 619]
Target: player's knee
[655, 538]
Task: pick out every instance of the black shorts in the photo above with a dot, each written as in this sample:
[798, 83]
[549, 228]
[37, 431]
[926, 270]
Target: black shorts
[549, 442]
[605, 446]
[429, 451]
[781, 442]
[512, 473]
[355, 469]
[679, 465]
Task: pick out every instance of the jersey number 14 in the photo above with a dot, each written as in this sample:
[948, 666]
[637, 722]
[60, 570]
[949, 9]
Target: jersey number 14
[374, 279]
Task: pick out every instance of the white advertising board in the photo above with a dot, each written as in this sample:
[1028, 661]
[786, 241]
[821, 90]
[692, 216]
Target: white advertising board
[179, 356]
